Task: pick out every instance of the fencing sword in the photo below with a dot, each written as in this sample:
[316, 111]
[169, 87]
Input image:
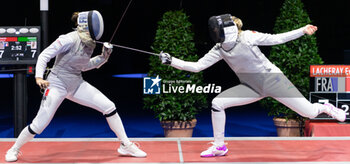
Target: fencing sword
[125, 47]
[129, 48]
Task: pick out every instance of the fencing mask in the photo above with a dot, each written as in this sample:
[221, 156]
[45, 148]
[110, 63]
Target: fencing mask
[91, 22]
[222, 29]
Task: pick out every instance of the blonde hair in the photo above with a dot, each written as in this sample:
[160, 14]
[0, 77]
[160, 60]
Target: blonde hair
[74, 18]
[238, 22]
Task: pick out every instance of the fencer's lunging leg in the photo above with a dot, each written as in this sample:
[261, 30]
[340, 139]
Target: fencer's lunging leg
[88, 95]
[300, 105]
[115, 123]
[218, 120]
[126, 147]
[26, 135]
[293, 99]
[52, 98]
[306, 109]
[235, 96]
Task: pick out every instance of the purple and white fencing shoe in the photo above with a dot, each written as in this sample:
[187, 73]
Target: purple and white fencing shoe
[215, 150]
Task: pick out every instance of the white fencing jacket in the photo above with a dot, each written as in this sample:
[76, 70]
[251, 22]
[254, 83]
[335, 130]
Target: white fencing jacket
[72, 57]
[245, 57]
[246, 60]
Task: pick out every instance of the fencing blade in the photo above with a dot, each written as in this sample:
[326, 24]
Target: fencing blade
[133, 49]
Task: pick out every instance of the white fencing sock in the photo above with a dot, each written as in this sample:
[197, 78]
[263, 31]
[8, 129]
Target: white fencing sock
[24, 137]
[115, 123]
[320, 107]
[218, 119]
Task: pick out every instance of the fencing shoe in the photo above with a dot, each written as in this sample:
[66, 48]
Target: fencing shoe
[215, 150]
[11, 155]
[131, 149]
[336, 113]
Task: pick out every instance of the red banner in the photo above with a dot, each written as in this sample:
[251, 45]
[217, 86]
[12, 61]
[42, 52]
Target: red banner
[8, 39]
[329, 70]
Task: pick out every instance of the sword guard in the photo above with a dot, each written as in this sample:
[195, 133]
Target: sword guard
[107, 45]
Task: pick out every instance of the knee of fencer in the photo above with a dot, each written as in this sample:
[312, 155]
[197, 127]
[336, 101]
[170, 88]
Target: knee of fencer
[109, 108]
[31, 130]
[109, 114]
[217, 105]
[36, 129]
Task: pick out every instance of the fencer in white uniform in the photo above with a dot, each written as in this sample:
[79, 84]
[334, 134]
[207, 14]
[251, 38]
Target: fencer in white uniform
[73, 55]
[258, 76]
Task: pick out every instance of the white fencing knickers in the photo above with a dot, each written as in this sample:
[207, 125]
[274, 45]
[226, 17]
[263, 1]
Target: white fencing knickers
[85, 94]
[274, 85]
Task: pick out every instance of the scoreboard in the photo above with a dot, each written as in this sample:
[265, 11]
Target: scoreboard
[19, 44]
[331, 84]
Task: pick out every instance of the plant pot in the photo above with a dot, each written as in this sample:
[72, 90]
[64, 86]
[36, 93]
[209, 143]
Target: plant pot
[290, 128]
[178, 128]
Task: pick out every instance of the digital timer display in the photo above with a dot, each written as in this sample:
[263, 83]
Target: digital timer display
[19, 45]
[18, 48]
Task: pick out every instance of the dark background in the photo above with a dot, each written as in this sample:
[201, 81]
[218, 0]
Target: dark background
[138, 28]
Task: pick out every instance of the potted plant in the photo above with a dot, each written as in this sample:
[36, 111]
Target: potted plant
[294, 59]
[176, 111]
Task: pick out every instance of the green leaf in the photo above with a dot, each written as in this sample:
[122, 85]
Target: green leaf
[174, 36]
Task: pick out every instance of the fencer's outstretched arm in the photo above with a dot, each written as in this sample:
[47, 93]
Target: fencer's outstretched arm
[98, 61]
[206, 61]
[257, 38]
[62, 44]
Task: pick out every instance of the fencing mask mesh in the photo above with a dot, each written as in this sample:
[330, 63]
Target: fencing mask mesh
[92, 22]
[222, 29]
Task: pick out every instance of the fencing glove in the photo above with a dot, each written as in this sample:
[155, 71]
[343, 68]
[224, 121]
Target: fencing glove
[165, 58]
